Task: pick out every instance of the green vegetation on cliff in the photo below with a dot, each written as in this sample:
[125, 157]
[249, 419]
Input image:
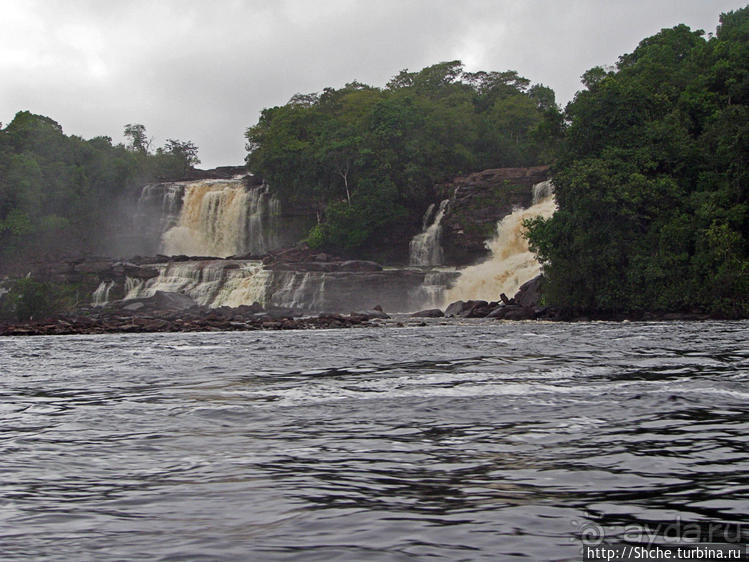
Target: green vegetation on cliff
[60, 195]
[652, 181]
[367, 158]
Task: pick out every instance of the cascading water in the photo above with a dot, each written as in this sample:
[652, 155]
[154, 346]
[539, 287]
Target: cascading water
[101, 294]
[211, 283]
[215, 283]
[511, 263]
[223, 218]
[424, 248]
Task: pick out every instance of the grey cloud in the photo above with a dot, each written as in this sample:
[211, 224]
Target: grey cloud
[203, 71]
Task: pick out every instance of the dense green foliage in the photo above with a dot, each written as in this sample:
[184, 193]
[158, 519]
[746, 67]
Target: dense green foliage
[367, 158]
[652, 180]
[59, 194]
[28, 299]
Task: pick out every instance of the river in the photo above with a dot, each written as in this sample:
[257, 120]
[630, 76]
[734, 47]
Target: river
[451, 441]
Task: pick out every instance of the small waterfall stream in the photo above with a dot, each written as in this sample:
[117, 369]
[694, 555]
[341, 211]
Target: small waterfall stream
[424, 248]
[101, 294]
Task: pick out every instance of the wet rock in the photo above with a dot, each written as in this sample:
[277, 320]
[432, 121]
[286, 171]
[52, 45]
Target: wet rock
[372, 314]
[529, 293]
[516, 312]
[360, 265]
[477, 202]
[429, 313]
[454, 308]
[479, 309]
[468, 309]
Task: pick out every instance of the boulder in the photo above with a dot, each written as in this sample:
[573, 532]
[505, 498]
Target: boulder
[515, 312]
[466, 309]
[529, 293]
[429, 313]
[454, 308]
[172, 301]
[371, 314]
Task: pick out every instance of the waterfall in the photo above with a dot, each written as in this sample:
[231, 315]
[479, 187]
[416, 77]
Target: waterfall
[133, 287]
[101, 294]
[542, 190]
[166, 199]
[424, 248]
[223, 218]
[210, 282]
[431, 292]
[511, 262]
[229, 282]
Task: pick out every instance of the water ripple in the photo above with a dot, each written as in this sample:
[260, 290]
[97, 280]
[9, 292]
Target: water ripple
[453, 442]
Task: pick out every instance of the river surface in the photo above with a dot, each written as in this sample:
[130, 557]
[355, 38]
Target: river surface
[475, 441]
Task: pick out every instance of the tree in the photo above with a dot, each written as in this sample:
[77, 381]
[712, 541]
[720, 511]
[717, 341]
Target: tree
[652, 181]
[184, 150]
[358, 150]
[138, 139]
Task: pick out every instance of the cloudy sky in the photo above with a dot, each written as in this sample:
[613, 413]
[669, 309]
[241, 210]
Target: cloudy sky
[202, 70]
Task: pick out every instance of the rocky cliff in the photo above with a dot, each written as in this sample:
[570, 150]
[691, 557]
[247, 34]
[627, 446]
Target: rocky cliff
[477, 202]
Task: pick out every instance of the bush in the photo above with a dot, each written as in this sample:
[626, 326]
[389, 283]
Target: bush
[28, 299]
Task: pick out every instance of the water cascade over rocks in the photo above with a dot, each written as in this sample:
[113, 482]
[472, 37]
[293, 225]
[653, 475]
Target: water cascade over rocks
[232, 217]
[511, 262]
[345, 287]
[424, 248]
[101, 294]
[210, 283]
[223, 218]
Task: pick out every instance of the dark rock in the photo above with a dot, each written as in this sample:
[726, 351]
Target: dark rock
[172, 301]
[515, 312]
[360, 265]
[372, 314]
[529, 293]
[466, 308]
[480, 309]
[477, 202]
[429, 313]
[498, 312]
[454, 308]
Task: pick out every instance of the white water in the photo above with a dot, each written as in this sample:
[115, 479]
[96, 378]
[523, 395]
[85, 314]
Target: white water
[511, 262]
[211, 283]
[223, 218]
[101, 294]
[424, 248]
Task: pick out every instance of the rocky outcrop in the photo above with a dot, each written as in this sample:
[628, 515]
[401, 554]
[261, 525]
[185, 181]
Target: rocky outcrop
[477, 202]
[167, 313]
[529, 293]
[428, 313]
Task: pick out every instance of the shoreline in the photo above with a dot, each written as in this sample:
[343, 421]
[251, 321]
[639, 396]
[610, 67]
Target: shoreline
[128, 324]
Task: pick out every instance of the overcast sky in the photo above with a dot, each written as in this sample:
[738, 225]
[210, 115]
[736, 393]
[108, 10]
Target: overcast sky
[203, 70]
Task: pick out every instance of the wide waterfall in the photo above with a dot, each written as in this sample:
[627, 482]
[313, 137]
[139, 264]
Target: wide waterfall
[511, 262]
[209, 282]
[424, 248]
[230, 282]
[222, 218]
